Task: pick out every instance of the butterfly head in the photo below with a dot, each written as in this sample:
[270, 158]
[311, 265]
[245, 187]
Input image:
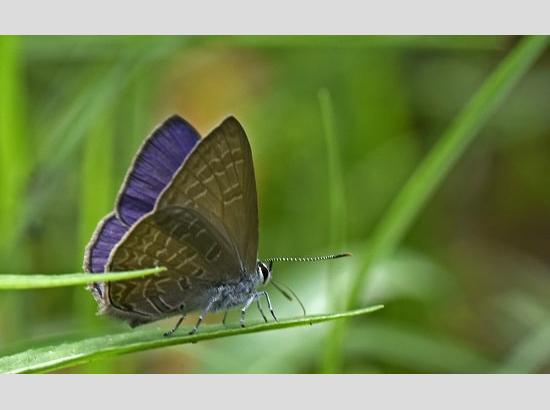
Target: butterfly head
[264, 271]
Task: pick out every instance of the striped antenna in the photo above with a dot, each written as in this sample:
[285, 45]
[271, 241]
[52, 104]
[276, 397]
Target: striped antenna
[307, 259]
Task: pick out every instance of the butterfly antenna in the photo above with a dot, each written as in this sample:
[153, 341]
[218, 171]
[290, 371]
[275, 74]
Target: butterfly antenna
[308, 259]
[279, 287]
[283, 292]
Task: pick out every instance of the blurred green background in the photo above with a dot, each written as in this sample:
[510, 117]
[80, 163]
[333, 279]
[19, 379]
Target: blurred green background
[467, 291]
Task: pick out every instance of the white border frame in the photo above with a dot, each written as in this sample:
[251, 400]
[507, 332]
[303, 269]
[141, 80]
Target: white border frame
[274, 17]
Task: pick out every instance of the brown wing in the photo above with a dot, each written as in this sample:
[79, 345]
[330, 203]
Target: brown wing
[217, 179]
[188, 245]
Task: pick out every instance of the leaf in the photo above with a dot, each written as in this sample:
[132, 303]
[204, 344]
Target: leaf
[9, 281]
[69, 354]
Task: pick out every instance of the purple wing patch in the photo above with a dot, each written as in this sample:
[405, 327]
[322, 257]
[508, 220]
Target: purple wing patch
[107, 234]
[154, 166]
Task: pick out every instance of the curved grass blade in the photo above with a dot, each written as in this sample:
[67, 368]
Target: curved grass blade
[336, 192]
[69, 354]
[337, 202]
[15, 156]
[9, 281]
[432, 171]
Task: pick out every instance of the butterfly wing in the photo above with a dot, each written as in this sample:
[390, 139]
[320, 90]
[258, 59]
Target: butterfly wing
[158, 159]
[203, 228]
[217, 180]
[108, 233]
[198, 257]
[160, 156]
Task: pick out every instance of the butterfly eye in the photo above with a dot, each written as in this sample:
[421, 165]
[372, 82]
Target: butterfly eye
[264, 270]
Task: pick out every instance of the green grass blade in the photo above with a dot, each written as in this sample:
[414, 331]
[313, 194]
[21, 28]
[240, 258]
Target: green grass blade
[15, 157]
[97, 186]
[96, 200]
[13, 140]
[69, 354]
[337, 197]
[9, 281]
[431, 172]
[337, 205]
[435, 167]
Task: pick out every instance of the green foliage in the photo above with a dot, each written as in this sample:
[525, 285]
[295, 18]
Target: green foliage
[433, 169]
[361, 143]
[68, 354]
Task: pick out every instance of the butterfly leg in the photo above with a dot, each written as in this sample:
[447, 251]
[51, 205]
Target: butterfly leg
[171, 331]
[203, 314]
[196, 327]
[246, 306]
[260, 308]
[264, 293]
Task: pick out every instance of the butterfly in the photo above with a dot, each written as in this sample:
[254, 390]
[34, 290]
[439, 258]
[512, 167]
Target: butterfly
[189, 205]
